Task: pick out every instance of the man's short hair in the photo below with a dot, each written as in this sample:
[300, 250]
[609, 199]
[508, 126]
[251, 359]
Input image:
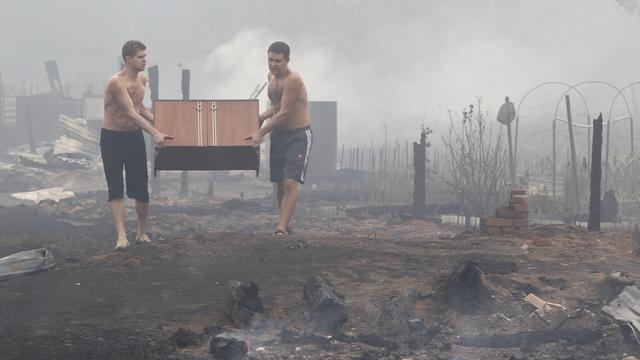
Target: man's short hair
[279, 47]
[131, 48]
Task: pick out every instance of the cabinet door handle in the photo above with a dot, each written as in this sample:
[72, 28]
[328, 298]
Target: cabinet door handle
[199, 120]
[214, 123]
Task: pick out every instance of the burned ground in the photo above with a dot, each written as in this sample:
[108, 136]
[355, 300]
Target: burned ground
[98, 303]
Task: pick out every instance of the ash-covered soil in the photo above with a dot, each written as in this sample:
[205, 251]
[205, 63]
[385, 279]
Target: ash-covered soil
[98, 303]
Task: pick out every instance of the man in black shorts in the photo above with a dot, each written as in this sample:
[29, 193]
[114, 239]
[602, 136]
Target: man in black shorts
[122, 143]
[291, 137]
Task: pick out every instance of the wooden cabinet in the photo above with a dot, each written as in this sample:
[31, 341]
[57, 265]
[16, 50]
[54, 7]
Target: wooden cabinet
[208, 134]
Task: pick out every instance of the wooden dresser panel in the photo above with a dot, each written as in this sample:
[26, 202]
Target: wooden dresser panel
[184, 120]
[233, 120]
[208, 134]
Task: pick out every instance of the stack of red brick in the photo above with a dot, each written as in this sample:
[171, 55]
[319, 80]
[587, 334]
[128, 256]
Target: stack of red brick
[515, 217]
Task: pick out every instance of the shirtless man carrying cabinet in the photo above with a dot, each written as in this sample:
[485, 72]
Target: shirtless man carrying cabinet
[121, 141]
[290, 128]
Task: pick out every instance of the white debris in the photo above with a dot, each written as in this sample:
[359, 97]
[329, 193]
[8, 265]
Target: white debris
[55, 194]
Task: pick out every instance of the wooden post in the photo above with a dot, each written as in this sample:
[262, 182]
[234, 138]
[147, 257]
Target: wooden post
[589, 152]
[635, 107]
[350, 158]
[554, 159]
[419, 186]
[2, 105]
[210, 187]
[606, 156]
[406, 158]
[393, 163]
[154, 80]
[184, 176]
[574, 167]
[386, 148]
[596, 176]
[32, 140]
[373, 160]
[512, 169]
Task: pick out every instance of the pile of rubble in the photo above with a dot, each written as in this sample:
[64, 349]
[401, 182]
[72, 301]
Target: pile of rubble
[77, 148]
[510, 219]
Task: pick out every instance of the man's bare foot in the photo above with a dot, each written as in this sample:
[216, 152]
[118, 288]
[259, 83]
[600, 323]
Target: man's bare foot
[122, 243]
[144, 238]
[280, 232]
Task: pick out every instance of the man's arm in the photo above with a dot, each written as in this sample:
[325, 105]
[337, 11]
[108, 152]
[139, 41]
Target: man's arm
[143, 110]
[289, 95]
[266, 114]
[123, 98]
[270, 111]
[146, 113]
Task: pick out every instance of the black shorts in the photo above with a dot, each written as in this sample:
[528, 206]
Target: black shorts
[125, 149]
[289, 155]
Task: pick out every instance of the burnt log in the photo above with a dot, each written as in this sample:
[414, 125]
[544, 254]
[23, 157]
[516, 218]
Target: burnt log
[328, 309]
[420, 334]
[574, 336]
[467, 289]
[372, 340]
[228, 347]
[293, 336]
[596, 176]
[377, 341]
[496, 266]
[184, 337]
[243, 302]
[419, 164]
[609, 207]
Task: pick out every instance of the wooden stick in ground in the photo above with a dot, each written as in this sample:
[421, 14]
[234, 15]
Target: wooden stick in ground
[596, 176]
[419, 189]
[511, 168]
[574, 167]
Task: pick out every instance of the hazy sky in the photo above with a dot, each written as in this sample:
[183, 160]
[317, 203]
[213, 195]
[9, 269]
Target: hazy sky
[402, 62]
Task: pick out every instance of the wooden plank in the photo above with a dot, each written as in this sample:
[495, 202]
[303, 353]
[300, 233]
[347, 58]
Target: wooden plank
[536, 301]
[534, 337]
[233, 120]
[207, 158]
[596, 176]
[505, 213]
[496, 221]
[507, 230]
[179, 119]
[519, 199]
[519, 223]
[519, 191]
[522, 215]
[207, 122]
[520, 207]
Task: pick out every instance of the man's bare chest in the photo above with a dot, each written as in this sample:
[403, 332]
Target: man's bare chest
[136, 92]
[275, 91]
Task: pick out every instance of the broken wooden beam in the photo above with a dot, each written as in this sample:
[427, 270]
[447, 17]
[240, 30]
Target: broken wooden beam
[228, 347]
[328, 309]
[467, 288]
[572, 335]
[243, 302]
[496, 221]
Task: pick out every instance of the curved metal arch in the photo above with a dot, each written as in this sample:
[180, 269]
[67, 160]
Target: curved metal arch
[618, 93]
[569, 86]
[613, 102]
